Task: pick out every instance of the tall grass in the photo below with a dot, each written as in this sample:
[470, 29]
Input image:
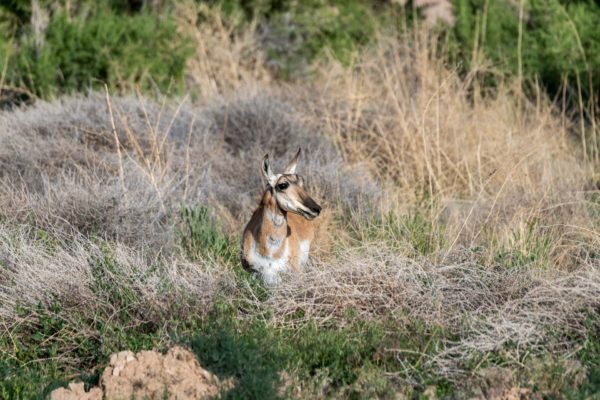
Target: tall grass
[488, 169]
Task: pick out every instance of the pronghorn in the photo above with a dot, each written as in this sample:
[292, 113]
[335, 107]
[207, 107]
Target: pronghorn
[280, 231]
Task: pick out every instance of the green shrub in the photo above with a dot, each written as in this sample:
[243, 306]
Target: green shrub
[80, 52]
[305, 31]
[19, 11]
[560, 40]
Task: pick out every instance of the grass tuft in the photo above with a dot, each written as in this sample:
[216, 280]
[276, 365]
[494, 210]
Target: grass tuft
[201, 237]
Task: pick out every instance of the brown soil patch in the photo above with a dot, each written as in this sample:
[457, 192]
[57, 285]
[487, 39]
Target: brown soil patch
[149, 375]
[500, 384]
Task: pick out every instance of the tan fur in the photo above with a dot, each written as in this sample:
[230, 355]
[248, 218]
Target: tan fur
[279, 232]
[260, 227]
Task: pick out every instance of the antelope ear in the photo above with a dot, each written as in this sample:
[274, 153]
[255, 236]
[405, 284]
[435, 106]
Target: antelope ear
[291, 167]
[266, 171]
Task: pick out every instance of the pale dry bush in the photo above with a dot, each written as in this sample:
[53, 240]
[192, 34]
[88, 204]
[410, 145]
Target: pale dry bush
[39, 272]
[488, 164]
[63, 168]
[485, 307]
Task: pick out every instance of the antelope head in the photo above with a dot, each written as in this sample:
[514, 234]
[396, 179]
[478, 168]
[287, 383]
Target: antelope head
[288, 189]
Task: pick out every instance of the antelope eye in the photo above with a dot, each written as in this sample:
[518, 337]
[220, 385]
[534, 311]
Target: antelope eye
[283, 186]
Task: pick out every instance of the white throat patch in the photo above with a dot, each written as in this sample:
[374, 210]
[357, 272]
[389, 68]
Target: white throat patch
[276, 219]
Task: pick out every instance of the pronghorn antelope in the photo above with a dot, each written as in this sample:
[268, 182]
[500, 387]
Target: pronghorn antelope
[280, 231]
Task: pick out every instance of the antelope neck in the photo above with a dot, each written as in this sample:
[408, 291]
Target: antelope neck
[274, 218]
[273, 228]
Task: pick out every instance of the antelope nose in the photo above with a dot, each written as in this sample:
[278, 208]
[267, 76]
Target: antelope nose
[316, 209]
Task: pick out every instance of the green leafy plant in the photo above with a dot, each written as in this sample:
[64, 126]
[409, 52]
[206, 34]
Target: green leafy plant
[82, 52]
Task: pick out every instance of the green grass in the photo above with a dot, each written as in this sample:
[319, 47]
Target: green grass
[202, 237]
[416, 230]
[529, 247]
[589, 356]
[351, 361]
[57, 342]
[347, 358]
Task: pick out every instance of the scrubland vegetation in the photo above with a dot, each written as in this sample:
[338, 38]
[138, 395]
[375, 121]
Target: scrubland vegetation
[458, 251]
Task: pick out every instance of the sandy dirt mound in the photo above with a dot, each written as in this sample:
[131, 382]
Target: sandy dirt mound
[148, 375]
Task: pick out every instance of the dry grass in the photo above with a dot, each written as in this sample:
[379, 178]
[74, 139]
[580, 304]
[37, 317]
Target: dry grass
[37, 271]
[498, 179]
[227, 55]
[486, 307]
[63, 169]
[488, 168]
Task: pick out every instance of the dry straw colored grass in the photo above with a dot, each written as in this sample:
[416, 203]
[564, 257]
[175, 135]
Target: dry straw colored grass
[490, 169]
[377, 136]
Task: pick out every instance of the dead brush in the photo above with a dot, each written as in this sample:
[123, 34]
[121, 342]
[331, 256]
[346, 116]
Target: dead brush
[122, 167]
[150, 153]
[67, 275]
[484, 308]
[98, 165]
